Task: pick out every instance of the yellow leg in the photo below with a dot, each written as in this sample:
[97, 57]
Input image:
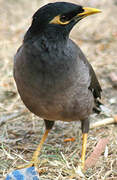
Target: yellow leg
[37, 152]
[83, 150]
[34, 161]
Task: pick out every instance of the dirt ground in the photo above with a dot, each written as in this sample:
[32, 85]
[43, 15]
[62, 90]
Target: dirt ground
[21, 131]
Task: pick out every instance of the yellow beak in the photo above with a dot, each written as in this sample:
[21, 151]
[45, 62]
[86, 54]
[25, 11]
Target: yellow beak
[88, 11]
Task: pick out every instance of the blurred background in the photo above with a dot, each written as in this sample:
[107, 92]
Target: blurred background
[20, 131]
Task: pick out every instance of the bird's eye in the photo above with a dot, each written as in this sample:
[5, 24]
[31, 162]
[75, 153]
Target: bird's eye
[62, 20]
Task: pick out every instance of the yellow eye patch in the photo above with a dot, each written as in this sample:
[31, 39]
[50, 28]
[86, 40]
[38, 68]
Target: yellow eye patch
[56, 20]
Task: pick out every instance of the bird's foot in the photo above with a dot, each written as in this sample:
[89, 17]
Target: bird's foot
[31, 164]
[80, 171]
[35, 162]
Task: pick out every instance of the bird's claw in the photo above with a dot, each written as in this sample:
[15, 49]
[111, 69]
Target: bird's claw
[80, 171]
[30, 164]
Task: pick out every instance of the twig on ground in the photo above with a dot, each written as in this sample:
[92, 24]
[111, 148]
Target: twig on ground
[104, 122]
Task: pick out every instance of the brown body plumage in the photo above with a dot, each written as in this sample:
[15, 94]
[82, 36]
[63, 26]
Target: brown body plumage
[53, 77]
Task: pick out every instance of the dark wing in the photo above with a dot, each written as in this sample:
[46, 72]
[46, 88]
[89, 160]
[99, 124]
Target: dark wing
[94, 86]
[96, 90]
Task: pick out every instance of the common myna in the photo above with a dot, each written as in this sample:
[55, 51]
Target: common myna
[53, 77]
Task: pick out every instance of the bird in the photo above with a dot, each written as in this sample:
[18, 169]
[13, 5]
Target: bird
[53, 77]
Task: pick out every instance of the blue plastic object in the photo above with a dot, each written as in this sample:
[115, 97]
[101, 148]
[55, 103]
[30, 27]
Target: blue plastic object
[23, 174]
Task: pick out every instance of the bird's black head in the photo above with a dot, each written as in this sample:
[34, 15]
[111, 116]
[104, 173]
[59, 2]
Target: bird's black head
[59, 13]
[59, 16]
